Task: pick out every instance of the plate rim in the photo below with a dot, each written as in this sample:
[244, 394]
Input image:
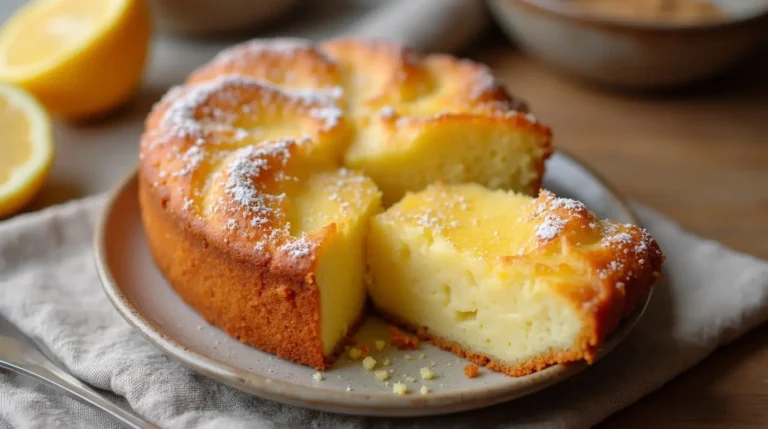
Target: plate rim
[333, 400]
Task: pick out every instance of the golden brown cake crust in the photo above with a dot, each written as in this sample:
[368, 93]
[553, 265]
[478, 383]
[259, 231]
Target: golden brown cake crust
[624, 262]
[271, 312]
[211, 196]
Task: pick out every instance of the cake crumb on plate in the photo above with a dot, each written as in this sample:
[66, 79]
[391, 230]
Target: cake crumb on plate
[471, 371]
[369, 363]
[354, 353]
[427, 374]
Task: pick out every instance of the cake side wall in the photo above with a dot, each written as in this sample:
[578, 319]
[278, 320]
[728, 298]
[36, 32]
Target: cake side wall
[244, 299]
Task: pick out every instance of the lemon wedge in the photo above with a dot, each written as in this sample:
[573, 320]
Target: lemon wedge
[26, 148]
[79, 58]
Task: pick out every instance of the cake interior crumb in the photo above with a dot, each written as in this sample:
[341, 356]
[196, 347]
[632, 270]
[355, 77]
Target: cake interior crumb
[369, 363]
[426, 373]
[354, 353]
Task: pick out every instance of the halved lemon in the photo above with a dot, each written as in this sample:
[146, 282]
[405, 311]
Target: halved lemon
[26, 148]
[78, 57]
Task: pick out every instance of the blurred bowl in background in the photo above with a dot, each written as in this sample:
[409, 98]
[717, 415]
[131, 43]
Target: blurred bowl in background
[209, 17]
[631, 53]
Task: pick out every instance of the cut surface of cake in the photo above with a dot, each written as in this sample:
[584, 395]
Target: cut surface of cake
[512, 282]
[407, 154]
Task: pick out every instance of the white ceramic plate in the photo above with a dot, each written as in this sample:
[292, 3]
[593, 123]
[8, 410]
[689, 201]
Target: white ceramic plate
[143, 297]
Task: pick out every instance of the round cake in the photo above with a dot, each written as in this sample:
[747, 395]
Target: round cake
[260, 176]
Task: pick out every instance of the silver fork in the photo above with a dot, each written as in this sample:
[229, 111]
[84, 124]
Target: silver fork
[25, 356]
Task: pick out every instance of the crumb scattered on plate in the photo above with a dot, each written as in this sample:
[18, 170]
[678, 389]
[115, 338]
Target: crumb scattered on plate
[427, 374]
[354, 353]
[400, 388]
[471, 371]
[369, 363]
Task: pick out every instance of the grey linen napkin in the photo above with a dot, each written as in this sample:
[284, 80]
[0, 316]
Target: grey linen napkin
[49, 287]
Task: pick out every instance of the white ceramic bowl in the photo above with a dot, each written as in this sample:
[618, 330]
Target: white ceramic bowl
[205, 17]
[628, 53]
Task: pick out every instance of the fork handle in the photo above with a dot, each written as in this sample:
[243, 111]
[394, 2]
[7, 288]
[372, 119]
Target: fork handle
[60, 380]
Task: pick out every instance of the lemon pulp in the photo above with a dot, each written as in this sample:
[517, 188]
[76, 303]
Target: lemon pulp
[26, 148]
[15, 128]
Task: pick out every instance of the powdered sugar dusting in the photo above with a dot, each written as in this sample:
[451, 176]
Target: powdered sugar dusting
[187, 204]
[622, 237]
[243, 185]
[242, 171]
[186, 116]
[614, 266]
[550, 227]
[285, 46]
[440, 219]
[330, 115]
[387, 112]
[554, 223]
[485, 82]
[314, 96]
[629, 246]
[191, 160]
[180, 118]
[567, 204]
[298, 248]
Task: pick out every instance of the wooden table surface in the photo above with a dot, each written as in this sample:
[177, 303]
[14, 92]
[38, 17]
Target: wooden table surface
[699, 156]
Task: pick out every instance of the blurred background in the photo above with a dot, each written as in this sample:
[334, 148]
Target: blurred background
[632, 86]
[667, 99]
